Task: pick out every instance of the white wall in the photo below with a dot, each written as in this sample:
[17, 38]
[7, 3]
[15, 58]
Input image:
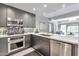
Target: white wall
[42, 19]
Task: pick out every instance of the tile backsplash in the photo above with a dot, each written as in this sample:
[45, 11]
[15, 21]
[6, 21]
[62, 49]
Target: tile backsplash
[3, 30]
[26, 30]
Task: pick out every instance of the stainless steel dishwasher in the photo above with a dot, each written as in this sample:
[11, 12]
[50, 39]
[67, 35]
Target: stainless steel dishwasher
[60, 49]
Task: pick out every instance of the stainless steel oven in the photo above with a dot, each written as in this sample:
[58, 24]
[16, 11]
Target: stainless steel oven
[16, 43]
[15, 23]
[12, 22]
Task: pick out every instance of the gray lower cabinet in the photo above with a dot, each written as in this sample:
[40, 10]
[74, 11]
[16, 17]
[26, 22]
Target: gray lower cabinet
[55, 48]
[27, 41]
[3, 46]
[41, 44]
[60, 49]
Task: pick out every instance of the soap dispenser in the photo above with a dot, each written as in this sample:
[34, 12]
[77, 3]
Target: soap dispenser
[36, 30]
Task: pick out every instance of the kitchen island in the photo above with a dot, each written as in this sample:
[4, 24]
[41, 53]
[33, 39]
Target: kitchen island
[61, 46]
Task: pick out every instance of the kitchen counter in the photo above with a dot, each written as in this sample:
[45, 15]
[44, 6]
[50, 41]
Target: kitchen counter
[68, 39]
[8, 36]
[56, 37]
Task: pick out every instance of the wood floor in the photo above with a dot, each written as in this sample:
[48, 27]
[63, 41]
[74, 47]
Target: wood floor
[34, 53]
[27, 52]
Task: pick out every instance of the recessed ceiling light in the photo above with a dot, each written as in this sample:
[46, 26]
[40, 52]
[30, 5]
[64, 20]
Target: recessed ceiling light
[64, 5]
[45, 5]
[34, 9]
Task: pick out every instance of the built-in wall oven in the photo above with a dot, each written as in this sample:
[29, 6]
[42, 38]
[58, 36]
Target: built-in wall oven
[15, 22]
[15, 28]
[16, 43]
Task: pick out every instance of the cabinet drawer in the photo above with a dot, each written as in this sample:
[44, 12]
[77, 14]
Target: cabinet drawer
[27, 44]
[44, 39]
[41, 44]
[59, 48]
[27, 37]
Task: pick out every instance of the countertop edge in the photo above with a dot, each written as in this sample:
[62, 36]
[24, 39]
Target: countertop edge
[67, 41]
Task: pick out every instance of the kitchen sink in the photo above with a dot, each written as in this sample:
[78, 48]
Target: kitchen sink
[45, 34]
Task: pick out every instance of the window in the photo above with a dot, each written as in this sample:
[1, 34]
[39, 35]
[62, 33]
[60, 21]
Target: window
[63, 28]
[73, 28]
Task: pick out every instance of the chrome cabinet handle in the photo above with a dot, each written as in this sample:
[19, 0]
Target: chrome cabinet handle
[58, 42]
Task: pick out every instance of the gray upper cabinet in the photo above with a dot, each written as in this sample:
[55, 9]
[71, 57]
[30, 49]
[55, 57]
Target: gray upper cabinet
[2, 15]
[19, 14]
[10, 13]
[29, 20]
[7, 12]
[14, 13]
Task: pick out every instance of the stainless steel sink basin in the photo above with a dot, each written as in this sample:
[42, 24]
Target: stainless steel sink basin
[45, 34]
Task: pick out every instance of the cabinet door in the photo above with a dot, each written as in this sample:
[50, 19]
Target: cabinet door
[19, 14]
[3, 46]
[35, 42]
[29, 20]
[55, 48]
[3, 15]
[44, 46]
[14, 13]
[11, 13]
[27, 41]
[67, 49]
[60, 49]
[41, 45]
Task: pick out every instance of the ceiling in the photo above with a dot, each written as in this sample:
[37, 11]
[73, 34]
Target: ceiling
[40, 9]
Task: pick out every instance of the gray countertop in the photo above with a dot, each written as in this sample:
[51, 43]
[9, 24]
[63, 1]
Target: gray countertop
[68, 39]
[8, 36]
[61, 38]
